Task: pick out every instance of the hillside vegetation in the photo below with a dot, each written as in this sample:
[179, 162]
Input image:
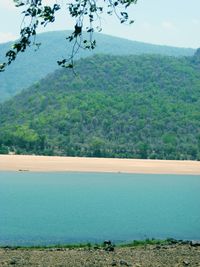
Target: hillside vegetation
[132, 107]
[32, 66]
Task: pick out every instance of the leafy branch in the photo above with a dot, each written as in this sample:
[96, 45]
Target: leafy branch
[86, 14]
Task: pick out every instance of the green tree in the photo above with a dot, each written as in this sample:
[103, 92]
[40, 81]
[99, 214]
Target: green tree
[86, 15]
[97, 146]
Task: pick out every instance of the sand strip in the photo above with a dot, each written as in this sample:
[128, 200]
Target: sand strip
[76, 164]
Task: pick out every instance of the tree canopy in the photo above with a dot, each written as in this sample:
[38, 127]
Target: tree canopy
[144, 106]
[86, 15]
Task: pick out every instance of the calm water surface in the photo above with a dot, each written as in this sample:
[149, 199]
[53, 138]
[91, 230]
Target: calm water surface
[49, 208]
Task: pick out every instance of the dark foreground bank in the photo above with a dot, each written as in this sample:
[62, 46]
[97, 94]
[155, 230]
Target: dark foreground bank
[170, 254]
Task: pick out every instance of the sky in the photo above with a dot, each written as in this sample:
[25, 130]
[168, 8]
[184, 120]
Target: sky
[164, 22]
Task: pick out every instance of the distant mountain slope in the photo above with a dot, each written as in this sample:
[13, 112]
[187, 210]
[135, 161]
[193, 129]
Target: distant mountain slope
[131, 106]
[32, 66]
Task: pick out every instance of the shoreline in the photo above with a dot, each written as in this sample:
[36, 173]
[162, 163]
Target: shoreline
[103, 244]
[100, 165]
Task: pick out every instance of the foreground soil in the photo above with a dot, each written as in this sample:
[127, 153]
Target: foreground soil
[150, 255]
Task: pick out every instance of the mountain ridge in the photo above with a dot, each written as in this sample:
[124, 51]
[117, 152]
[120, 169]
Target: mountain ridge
[32, 66]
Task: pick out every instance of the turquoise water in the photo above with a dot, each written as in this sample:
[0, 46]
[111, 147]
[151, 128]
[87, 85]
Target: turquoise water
[51, 208]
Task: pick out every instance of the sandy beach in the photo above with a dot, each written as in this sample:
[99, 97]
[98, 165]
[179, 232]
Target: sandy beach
[76, 164]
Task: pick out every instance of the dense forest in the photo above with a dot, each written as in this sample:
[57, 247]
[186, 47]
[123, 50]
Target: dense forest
[137, 106]
[35, 65]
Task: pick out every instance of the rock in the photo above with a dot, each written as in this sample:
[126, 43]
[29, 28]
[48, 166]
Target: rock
[59, 249]
[195, 243]
[107, 242]
[114, 263]
[123, 262]
[108, 245]
[165, 247]
[172, 241]
[13, 262]
[109, 248]
[158, 247]
[186, 263]
[185, 242]
[56, 249]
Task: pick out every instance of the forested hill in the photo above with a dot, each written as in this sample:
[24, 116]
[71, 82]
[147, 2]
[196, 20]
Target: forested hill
[131, 106]
[32, 66]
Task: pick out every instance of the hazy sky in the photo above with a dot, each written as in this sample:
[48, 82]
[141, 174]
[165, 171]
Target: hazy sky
[166, 22]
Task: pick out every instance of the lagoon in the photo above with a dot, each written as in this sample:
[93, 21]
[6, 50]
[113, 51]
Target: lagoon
[52, 208]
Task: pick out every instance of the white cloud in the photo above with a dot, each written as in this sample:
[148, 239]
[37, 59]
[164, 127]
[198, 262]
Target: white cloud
[168, 25]
[196, 22]
[6, 37]
[7, 4]
[146, 26]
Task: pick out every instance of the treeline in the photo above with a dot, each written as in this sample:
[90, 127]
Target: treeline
[129, 107]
